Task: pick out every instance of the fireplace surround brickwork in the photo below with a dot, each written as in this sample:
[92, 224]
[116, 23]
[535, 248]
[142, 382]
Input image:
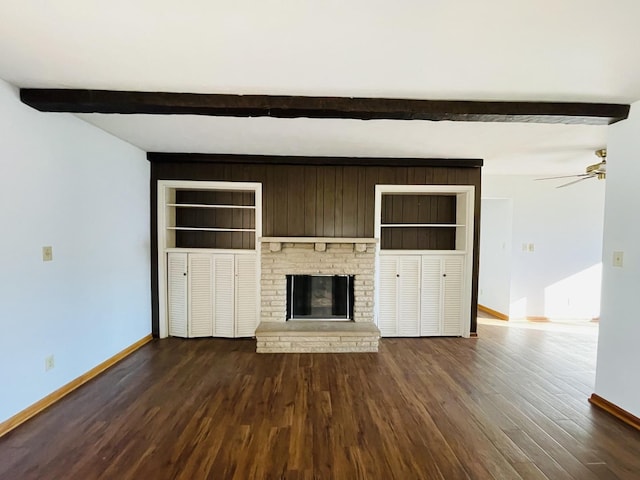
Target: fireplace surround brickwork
[305, 259]
[281, 258]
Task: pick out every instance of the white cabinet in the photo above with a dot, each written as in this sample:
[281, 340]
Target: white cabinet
[400, 296]
[421, 295]
[212, 294]
[441, 295]
[177, 294]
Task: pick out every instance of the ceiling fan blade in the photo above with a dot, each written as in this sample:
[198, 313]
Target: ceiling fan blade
[564, 176]
[576, 181]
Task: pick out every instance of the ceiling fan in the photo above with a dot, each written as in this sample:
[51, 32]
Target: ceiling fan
[597, 170]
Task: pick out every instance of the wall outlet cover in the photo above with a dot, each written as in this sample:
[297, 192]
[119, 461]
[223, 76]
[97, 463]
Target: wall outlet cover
[618, 258]
[49, 363]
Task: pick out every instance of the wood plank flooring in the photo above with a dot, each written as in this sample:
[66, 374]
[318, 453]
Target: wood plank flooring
[510, 404]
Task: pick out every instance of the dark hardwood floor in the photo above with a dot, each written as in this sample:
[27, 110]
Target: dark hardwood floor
[510, 404]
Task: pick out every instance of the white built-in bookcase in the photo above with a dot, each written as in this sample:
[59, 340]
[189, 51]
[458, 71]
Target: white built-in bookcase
[200, 286]
[426, 292]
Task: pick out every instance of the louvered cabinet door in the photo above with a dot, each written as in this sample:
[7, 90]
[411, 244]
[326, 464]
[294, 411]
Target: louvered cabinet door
[408, 295]
[246, 296]
[387, 297]
[452, 276]
[177, 294]
[200, 295]
[431, 296]
[223, 295]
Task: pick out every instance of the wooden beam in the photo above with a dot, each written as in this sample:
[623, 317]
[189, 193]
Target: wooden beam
[160, 157]
[163, 103]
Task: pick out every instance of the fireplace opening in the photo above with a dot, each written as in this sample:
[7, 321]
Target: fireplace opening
[320, 297]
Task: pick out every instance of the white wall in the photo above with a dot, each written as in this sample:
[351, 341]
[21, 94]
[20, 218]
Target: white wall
[496, 228]
[617, 378]
[67, 184]
[560, 278]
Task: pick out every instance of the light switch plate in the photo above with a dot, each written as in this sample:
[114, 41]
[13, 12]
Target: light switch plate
[47, 254]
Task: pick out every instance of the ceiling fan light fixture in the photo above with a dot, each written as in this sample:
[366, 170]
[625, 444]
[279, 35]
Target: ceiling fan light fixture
[597, 170]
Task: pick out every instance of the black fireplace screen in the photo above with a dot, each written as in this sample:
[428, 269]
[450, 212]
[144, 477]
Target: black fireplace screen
[319, 297]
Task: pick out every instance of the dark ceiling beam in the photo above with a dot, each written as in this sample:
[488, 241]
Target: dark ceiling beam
[158, 103]
[160, 157]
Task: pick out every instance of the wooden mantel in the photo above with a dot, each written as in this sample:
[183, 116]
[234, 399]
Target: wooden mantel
[317, 240]
[275, 243]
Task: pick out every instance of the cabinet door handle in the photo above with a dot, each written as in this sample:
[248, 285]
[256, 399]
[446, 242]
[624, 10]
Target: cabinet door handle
[444, 274]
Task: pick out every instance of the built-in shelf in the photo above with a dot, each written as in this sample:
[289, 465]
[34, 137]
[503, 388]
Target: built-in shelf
[218, 215]
[205, 205]
[206, 229]
[424, 217]
[222, 215]
[421, 225]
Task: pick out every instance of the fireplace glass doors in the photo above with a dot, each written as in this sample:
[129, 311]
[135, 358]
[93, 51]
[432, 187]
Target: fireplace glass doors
[319, 297]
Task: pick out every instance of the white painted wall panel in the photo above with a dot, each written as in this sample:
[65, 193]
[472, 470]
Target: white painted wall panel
[560, 278]
[618, 353]
[496, 229]
[67, 184]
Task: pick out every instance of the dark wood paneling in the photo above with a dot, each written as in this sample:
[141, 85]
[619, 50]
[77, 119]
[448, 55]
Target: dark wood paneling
[214, 218]
[281, 106]
[329, 200]
[328, 207]
[418, 209]
[412, 238]
[310, 201]
[280, 201]
[361, 199]
[338, 206]
[408, 209]
[295, 192]
[319, 212]
[371, 180]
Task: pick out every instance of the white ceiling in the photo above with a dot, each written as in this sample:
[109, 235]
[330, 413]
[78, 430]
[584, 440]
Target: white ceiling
[544, 50]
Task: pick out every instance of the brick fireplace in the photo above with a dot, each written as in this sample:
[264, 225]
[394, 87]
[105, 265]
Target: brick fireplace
[282, 256]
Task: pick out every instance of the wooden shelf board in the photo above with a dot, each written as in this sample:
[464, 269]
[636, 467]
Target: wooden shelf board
[202, 229]
[206, 205]
[421, 225]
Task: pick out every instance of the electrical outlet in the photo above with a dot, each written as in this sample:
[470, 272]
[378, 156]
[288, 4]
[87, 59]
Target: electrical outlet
[617, 259]
[47, 254]
[49, 363]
